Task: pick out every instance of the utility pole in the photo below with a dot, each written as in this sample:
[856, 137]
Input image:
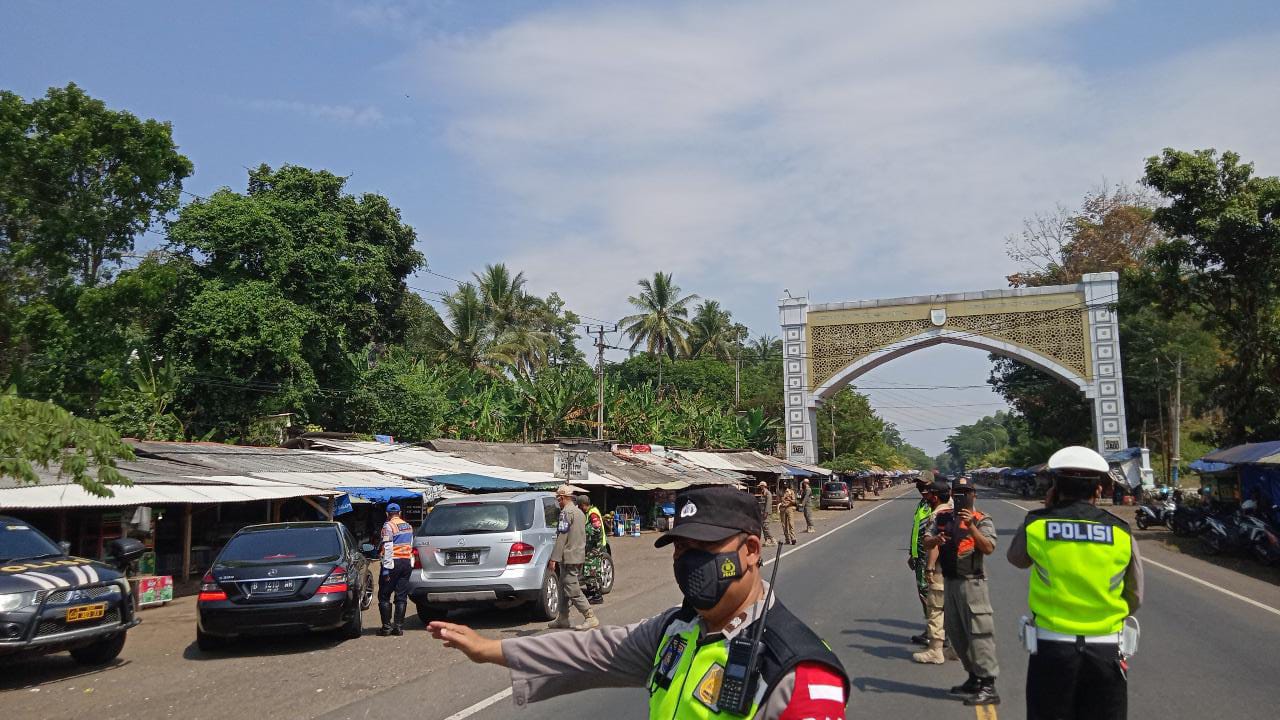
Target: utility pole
[737, 380]
[1177, 421]
[600, 330]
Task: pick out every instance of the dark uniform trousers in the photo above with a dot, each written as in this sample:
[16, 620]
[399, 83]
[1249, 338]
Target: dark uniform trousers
[1070, 681]
[395, 580]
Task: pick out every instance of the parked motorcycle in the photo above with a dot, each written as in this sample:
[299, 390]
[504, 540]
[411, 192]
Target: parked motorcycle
[1188, 520]
[1155, 513]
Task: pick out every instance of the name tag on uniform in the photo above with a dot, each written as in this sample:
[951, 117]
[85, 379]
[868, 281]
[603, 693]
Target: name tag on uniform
[669, 662]
[563, 527]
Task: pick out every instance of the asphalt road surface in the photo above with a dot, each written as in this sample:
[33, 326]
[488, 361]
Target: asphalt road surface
[1211, 643]
[1202, 652]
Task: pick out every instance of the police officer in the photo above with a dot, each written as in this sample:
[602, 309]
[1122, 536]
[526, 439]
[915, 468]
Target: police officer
[806, 501]
[764, 501]
[937, 653]
[681, 655]
[567, 559]
[786, 510]
[597, 545]
[397, 564]
[965, 537]
[1087, 580]
[914, 562]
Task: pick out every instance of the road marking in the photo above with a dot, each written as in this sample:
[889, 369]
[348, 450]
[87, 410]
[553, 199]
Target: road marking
[468, 712]
[1193, 578]
[986, 712]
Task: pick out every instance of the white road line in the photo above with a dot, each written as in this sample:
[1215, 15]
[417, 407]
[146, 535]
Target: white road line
[468, 712]
[1193, 578]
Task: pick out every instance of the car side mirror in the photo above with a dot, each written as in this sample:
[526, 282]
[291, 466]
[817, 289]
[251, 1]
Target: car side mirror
[368, 550]
[65, 546]
[123, 552]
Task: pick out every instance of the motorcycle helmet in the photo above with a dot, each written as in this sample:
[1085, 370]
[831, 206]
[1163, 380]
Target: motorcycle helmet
[1248, 506]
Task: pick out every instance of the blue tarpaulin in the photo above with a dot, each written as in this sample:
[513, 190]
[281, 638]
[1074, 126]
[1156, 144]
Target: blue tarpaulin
[483, 483]
[1266, 453]
[1204, 466]
[381, 494]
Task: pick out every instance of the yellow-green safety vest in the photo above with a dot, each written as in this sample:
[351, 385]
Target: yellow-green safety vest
[923, 511]
[695, 680]
[1080, 555]
[604, 532]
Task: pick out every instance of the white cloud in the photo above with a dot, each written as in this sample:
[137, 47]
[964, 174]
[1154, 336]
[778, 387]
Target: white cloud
[855, 150]
[351, 115]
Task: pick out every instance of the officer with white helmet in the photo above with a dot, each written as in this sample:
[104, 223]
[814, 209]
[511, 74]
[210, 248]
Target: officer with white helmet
[1085, 585]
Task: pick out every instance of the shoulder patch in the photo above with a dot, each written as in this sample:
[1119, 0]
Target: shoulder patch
[708, 690]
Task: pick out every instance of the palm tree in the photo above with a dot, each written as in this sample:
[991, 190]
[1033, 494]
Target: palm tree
[506, 302]
[714, 333]
[662, 323]
[464, 337]
[765, 348]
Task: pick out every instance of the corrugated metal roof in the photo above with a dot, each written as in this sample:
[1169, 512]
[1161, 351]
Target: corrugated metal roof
[242, 459]
[68, 496]
[738, 460]
[417, 462]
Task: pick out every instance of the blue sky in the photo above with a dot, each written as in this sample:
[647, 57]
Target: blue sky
[847, 149]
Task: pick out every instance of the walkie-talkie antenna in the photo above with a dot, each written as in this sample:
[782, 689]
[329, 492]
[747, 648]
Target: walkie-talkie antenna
[768, 597]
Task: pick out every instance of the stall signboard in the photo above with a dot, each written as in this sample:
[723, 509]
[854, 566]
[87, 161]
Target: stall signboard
[571, 465]
[153, 590]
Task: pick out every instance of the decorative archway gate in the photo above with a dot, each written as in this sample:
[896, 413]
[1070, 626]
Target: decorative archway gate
[1068, 331]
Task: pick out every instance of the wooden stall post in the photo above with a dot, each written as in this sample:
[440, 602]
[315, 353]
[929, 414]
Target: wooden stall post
[186, 541]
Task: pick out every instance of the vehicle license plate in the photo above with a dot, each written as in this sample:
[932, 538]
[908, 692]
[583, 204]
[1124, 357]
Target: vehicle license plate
[86, 612]
[462, 557]
[263, 587]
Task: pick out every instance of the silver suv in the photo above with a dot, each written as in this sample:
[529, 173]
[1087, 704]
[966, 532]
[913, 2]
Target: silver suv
[488, 549]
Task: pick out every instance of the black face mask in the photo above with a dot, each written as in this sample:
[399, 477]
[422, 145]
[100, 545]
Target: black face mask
[705, 577]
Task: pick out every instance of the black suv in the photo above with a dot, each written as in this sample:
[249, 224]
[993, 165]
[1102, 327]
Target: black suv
[50, 601]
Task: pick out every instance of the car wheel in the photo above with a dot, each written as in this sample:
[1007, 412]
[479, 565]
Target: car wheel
[209, 643]
[606, 575]
[354, 626]
[366, 595]
[547, 606]
[100, 652]
[428, 613]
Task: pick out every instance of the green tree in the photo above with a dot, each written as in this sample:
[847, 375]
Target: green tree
[713, 333]
[39, 434]
[663, 321]
[399, 396]
[1224, 258]
[760, 431]
[79, 181]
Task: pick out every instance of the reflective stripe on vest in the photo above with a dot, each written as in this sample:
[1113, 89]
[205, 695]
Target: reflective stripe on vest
[695, 679]
[399, 534]
[1077, 579]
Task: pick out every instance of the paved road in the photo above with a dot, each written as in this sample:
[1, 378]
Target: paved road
[1202, 651]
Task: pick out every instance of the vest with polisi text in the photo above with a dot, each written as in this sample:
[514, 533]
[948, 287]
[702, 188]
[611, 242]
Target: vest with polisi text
[1080, 554]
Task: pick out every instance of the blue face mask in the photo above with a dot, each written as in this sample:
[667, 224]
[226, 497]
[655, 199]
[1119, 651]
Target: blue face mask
[704, 577]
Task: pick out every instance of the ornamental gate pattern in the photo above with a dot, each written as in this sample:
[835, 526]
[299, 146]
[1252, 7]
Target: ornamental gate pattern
[1068, 331]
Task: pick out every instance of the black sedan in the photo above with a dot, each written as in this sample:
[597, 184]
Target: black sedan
[282, 578]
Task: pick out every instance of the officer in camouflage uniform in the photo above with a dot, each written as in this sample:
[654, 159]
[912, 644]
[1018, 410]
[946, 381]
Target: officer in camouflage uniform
[592, 568]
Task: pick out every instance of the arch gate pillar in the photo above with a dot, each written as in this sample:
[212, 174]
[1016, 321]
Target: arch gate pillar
[1068, 331]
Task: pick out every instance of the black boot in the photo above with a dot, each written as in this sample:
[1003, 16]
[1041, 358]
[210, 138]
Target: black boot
[986, 694]
[969, 687]
[397, 627]
[920, 639]
[384, 609]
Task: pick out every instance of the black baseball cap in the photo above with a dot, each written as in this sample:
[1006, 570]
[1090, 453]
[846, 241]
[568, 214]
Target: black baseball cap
[940, 486]
[711, 514]
[962, 484]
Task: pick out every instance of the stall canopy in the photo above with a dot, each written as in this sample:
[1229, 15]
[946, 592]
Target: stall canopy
[67, 495]
[380, 495]
[1263, 453]
[480, 483]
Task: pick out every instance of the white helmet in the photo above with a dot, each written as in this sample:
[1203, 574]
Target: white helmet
[1080, 459]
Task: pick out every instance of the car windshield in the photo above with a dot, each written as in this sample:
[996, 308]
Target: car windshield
[476, 518]
[282, 545]
[835, 487]
[19, 541]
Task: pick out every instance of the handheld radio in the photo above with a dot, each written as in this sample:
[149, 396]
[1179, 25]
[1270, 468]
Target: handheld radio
[738, 686]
